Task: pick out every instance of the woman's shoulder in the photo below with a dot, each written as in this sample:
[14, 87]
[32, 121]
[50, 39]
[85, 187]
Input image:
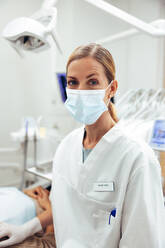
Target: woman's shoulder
[129, 143]
[139, 148]
[70, 138]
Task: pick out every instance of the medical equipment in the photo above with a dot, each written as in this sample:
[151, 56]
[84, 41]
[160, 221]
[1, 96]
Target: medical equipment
[34, 33]
[29, 132]
[25, 155]
[42, 144]
[138, 110]
[142, 104]
[61, 77]
[158, 24]
[35, 148]
[157, 141]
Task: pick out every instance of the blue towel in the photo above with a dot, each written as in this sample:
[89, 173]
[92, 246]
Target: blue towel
[15, 207]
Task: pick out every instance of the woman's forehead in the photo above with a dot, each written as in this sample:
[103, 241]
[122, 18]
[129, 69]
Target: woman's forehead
[85, 67]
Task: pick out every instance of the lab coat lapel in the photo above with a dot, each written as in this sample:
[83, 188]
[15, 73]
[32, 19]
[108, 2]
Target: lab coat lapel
[97, 151]
[93, 154]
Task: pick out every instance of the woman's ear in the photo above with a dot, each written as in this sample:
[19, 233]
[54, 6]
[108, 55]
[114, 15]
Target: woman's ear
[112, 88]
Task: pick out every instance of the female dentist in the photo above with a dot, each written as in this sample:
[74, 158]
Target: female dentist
[106, 189]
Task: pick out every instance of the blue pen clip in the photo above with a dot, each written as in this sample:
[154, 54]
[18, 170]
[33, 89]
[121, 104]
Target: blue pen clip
[112, 213]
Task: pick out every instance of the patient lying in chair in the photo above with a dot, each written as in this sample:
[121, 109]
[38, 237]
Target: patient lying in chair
[18, 207]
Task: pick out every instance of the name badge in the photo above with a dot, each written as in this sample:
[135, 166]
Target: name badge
[104, 187]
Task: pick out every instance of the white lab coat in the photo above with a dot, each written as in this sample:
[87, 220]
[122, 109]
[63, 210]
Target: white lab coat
[81, 211]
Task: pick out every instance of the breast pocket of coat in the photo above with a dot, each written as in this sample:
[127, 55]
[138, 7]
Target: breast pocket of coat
[105, 222]
[104, 219]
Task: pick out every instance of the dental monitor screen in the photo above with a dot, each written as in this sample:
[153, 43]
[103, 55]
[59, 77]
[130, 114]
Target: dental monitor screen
[158, 135]
[62, 85]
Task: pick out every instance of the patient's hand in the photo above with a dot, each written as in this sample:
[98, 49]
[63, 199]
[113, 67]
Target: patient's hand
[35, 192]
[43, 200]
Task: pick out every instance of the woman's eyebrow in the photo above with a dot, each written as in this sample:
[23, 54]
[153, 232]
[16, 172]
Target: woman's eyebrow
[90, 75]
[71, 77]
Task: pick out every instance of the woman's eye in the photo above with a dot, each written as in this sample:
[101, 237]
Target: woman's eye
[93, 82]
[72, 82]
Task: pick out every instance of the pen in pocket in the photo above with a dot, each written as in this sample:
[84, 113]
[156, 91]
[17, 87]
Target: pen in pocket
[112, 213]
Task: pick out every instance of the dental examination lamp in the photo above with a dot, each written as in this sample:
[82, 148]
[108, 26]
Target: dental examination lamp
[34, 33]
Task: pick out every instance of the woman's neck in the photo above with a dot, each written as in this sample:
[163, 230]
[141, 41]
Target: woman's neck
[97, 130]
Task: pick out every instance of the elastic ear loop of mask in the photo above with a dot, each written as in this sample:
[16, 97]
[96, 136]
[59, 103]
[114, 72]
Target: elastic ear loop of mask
[110, 95]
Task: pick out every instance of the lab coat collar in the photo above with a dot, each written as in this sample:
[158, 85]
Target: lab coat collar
[117, 129]
[109, 137]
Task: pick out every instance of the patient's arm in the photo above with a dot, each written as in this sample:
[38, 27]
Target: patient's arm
[44, 202]
[41, 195]
[46, 218]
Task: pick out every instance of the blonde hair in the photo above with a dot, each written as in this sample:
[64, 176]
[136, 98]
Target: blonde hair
[101, 55]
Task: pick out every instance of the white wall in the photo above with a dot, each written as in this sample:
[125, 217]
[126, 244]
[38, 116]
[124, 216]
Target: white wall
[145, 52]
[26, 85]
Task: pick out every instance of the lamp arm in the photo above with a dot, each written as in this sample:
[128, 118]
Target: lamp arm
[130, 19]
[47, 4]
[160, 23]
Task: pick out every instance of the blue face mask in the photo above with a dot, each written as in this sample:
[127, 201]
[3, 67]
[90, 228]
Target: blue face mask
[86, 106]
